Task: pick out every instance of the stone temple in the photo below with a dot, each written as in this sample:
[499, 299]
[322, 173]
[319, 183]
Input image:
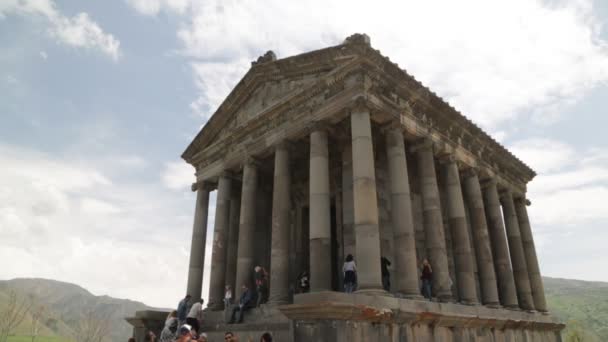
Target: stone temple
[340, 151]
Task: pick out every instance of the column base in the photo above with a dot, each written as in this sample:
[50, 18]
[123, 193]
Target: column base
[470, 303]
[377, 292]
[493, 305]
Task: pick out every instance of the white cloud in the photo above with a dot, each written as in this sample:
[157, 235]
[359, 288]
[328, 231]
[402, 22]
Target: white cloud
[493, 61]
[68, 220]
[178, 175]
[44, 55]
[153, 7]
[78, 31]
[543, 155]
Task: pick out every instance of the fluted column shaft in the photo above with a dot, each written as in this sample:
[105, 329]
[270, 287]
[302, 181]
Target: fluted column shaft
[463, 257]
[481, 239]
[319, 210]
[367, 233]
[406, 269]
[233, 238]
[220, 242]
[516, 249]
[433, 222]
[502, 265]
[197, 248]
[536, 282]
[281, 204]
[244, 264]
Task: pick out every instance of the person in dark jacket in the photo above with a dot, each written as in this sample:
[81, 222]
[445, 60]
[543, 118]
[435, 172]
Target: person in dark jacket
[427, 279]
[182, 309]
[244, 303]
[386, 275]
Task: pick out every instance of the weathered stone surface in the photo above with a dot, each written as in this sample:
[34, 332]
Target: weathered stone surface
[220, 243]
[536, 281]
[406, 268]
[197, 248]
[463, 256]
[320, 225]
[367, 234]
[244, 265]
[281, 205]
[500, 249]
[516, 249]
[481, 238]
[433, 222]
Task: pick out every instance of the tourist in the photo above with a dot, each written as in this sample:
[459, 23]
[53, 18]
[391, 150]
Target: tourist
[228, 296]
[182, 309]
[244, 303]
[266, 337]
[184, 334]
[303, 282]
[229, 337]
[195, 316]
[132, 339]
[350, 274]
[202, 337]
[150, 337]
[386, 275]
[170, 328]
[427, 279]
[260, 277]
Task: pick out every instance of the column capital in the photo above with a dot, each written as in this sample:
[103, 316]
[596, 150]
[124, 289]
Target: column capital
[448, 158]
[360, 103]
[319, 125]
[283, 144]
[422, 144]
[471, 171]
[392, 125]
[252, 161]
[488, 182]
[203, 185]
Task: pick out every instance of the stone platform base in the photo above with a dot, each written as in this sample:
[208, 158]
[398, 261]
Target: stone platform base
[340, 317]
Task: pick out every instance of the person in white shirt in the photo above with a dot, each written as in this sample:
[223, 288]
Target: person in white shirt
[350, 274]
[228, 296]
[195, 315]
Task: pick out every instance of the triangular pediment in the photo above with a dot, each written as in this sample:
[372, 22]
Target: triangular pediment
[265, 85]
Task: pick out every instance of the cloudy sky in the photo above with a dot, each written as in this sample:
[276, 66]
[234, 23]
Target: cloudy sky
[99, 98]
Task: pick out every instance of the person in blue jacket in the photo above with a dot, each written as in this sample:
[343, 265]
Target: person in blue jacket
[182, 310]
[244, 303]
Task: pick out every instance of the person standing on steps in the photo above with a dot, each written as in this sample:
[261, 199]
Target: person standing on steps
[427, 279]
[386, 275]
[195, 316]
[350, 274]
[260, 277]
[170, 328]
[182, 310]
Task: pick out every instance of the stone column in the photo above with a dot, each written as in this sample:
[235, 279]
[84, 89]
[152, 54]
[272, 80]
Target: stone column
[199, 237]
[463, 257]
[245, 255]
[502, 265]
[406, 269]
[516, 249]
[433, 221]
[233, 238]
[536, 282]
[319, 220]
[481, 239]
[348, 231]
[220, 242]
[281, 205]
[367, 233]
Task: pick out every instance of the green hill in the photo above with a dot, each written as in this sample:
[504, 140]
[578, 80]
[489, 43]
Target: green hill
[583, 305]
[66, 306]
